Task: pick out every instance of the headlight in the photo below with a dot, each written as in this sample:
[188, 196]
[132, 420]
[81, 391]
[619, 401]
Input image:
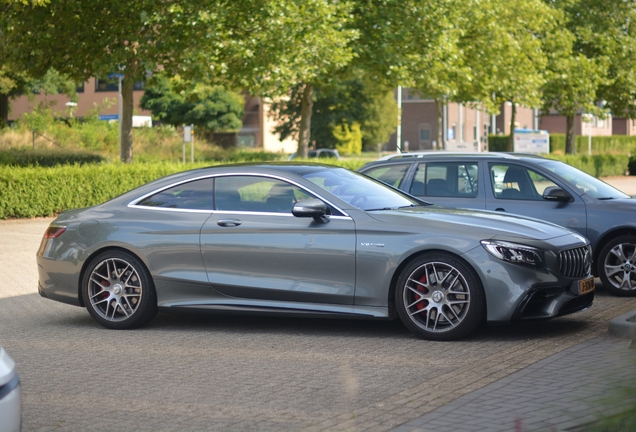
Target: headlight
[514, 252]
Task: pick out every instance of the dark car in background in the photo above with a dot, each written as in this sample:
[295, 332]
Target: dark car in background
[528, 185]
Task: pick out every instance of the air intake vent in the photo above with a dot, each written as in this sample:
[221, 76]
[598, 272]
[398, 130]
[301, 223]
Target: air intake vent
[575, 263]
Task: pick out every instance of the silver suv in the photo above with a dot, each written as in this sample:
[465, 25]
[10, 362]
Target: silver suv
[528, 185]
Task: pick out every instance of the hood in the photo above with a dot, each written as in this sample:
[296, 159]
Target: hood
[488, 224]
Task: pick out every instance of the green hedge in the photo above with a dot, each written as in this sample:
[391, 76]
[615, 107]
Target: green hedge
[597, 165]
[47, 158]
[45, 191]
[31, 192]
[614, 144]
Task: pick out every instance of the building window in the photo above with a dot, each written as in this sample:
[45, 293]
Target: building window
[246, 140]
[80, 88]
[102, 85]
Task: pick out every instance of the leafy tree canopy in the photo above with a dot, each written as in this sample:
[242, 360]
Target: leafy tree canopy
[177, 102]
[347, 102]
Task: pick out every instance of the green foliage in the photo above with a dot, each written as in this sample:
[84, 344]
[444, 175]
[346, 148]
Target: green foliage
[349, 138]
[177, 102]
[596, 165]
[612, 144]
[47, 158]
[32, 192]
[349, 101]
[497, 143]
[616, 144]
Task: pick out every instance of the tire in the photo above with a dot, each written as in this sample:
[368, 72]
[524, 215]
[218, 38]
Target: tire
[440, 297]
[118, 291]
[617, 266]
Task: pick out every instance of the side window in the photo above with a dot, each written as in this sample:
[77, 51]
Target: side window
[195, 195]
[256, 194]
[447, 179]
[517, 182]
[390, 174]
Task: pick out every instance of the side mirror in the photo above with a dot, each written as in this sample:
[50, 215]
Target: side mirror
[313, 208]
[554, 193]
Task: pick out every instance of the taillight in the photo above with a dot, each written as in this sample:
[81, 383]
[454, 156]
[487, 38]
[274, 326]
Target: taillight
[54, 232]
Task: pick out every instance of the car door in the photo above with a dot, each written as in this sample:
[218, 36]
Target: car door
[253, 247]
[166, 227]
[449, 183]
[516, 188]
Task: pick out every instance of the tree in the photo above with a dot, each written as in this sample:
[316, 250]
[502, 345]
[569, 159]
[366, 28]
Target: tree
[600, 64]
[505, 46]
[176, 102]
[261, 45]
[341, 102]
[411, 43]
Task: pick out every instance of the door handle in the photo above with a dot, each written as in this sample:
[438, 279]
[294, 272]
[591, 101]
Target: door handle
[500, 209]
[229, 222]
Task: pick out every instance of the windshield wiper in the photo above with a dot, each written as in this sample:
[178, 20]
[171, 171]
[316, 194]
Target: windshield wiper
[413, 205]
[380, 209]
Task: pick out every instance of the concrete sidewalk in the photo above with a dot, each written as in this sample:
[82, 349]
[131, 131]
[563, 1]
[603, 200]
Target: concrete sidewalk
[625, 184]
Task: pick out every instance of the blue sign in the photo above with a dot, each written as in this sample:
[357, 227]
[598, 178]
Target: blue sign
[109, 116]
[115, 75]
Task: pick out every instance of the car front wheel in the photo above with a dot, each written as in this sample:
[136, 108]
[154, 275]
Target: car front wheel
[617, 266]
[118, 291]
[440, 297]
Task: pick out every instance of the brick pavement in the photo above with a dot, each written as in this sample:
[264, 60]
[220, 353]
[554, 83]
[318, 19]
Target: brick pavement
[561, 392]
[205, 372]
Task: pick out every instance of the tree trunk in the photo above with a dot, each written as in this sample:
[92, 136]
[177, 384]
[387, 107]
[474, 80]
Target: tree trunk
[304, 132]
[439, 111]
[126, 145]
[513, 120]
[4, 110]
[570, 146]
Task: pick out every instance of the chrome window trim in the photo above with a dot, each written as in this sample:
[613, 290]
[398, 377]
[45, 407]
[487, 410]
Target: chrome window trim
[133, 203]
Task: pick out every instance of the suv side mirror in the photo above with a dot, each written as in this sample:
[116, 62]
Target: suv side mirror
[313, 208]
[554, 193]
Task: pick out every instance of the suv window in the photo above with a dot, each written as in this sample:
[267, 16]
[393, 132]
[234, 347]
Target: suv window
[194, 195]
[390, 174]
[446, 179]
[518, 182]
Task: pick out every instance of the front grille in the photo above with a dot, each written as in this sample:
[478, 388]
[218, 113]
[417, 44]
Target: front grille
[575, 263]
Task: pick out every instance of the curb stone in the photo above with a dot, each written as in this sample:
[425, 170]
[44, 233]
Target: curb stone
[624, 326]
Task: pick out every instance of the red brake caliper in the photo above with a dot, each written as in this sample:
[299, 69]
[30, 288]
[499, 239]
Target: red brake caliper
[105, 293]
[421, 304]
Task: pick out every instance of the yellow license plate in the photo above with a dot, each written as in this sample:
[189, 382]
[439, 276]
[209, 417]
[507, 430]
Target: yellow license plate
[586, 285]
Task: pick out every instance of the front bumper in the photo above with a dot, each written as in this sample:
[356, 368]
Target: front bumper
[541, 303]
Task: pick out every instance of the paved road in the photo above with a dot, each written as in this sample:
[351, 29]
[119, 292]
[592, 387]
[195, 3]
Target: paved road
[203, 372]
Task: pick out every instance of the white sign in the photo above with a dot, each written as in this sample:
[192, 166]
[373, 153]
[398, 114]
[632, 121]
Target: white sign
[187, 133]
[142, 121]
[532, 141]
[462, 146]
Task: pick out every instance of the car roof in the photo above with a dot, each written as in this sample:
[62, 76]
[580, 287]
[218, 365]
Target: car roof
[435, 154]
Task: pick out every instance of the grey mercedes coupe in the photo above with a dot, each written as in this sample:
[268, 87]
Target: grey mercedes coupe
[314, 240]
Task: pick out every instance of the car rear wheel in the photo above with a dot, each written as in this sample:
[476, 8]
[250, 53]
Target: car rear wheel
[617, 266]
[440, 297]
[118, 291]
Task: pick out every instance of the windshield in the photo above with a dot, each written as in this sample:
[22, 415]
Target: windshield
[582, 182]
[359, 190]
